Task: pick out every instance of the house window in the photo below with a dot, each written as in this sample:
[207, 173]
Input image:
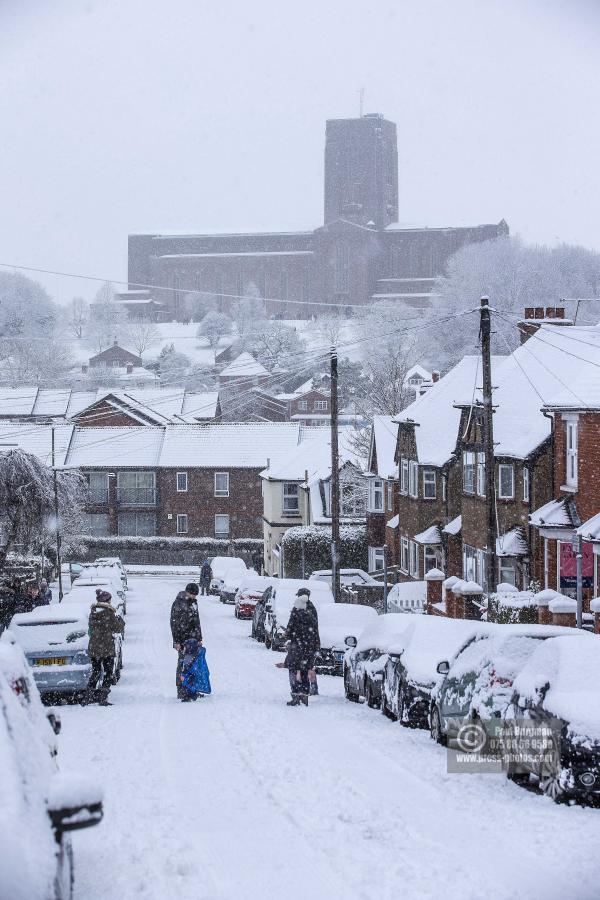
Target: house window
[572, 454]
[526, 485]
[506, 481]
[376, 562]
[375, 495]
[404, 476]
[291, 498]
[182, 523]
[137, 524]
[320, 405]
[303, 404]
[444, 485]
[221, 484]
[429, 487]
[98, 487]
[182, 482]
[404, 555]
[414, 559]
[431, 558]
[99, 524]
[474, 565]
[508, 574]
[413, 479]
[468, 472]
[390, 495]
[341, 269]
[221, 526]
[481, 474]
[136, 488]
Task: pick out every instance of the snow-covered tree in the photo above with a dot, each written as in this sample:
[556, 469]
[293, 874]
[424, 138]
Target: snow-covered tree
[108, 320]
[141, 334]
[247, 313]
[174, 367]
[278, 346]
[78, 312]
[213, 327]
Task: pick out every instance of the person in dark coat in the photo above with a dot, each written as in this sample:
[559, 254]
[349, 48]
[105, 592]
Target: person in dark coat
[103, 624]
[206, 574]
[303, 643]
[8, 606]
[312, 673]
[45, 593]
[185, 624]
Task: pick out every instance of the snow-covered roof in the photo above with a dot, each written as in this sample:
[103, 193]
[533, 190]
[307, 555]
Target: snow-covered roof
[417, 369]
[230, 445]
[435, 416]
[393, 522]
[590, 529]
[431, 535]
[383, 443]
[555, 514]
[37, 439]
[454, 526]
[313, 456]
[244, 366]
[512, 543]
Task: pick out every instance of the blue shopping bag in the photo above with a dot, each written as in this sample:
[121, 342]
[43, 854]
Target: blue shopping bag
[195, 677]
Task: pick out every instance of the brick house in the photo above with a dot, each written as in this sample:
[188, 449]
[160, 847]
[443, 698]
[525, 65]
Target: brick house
[429, 477]
[382, 497]
[115, 357]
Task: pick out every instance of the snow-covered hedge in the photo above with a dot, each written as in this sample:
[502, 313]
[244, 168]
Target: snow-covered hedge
[317, 548]
[513, 607]
[169, 550]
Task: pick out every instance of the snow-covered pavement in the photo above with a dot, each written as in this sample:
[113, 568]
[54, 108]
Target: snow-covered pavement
[239, 796]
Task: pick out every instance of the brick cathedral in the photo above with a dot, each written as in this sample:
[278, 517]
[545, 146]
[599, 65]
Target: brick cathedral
[360, 253]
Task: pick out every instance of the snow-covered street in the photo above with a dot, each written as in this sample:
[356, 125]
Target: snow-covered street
[239, 796]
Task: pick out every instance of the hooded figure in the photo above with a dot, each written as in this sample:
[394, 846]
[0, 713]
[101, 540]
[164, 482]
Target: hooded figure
[103, 625]
[45, 593]
[303, 643]
[206, 574]
[185, 625]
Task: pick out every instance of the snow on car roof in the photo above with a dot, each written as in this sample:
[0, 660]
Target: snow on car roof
[339, 620]
[570, 664]
[382, 633]
[430, 640]
[54, 614]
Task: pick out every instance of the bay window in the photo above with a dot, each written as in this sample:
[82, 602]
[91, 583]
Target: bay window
[291, 498]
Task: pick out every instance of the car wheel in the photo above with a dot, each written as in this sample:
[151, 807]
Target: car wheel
[403, 716]
[235, 612]
[371, 700]
[350, 694]
[385, 708]
[435, 727]
[549, 771]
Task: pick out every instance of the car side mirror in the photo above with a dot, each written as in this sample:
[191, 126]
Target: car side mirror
[74, 803]
[443, 667]
[54, 720]
[351, 641]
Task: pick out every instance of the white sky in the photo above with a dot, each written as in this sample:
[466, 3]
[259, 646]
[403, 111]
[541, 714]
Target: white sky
[120, 116]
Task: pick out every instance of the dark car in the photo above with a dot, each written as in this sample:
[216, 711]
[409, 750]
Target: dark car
[259, 614]
[557, 693]
[367, 656]
[336, 622]
[410, 672]
[478, 684]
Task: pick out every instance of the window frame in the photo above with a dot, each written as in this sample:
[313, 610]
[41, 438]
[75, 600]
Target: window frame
[526, 485]
[302, 405]
[106, 521]
[375, 490]
[223, 534]
[390, 494]
[480, 474]
[571, 453]
[404, 469]
[404, 555]
[413, 556]
[505, 564]
[287, 495]
[320, 406]
[427, 482]
[182, 530]
[502, 467]
[468, 469]
[221, 492]
[178, 475]
[376, 555]
[413, 479]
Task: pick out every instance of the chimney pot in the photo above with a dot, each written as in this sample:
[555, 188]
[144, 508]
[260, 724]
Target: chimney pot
[435, 376]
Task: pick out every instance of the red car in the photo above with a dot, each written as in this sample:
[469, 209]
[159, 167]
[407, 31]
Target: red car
[246, 599]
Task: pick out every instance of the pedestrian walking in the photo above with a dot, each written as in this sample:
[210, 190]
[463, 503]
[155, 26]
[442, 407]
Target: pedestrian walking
[103, 624]
[312, 673]
[206, 575]
[45, 593]
[185, 625]
[303, 643]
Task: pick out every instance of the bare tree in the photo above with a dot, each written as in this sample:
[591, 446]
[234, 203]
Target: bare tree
[77, 316]
[213, 327]
[107, 320]
[141, 334]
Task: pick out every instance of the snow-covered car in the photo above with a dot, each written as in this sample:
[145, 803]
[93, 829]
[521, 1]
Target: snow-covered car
[113, 562]
[55, 642]
[17, 671]
[410, 672]
[84, 588]
[478, 683]
[348, 577]
[39, 804]
[367, 655]
[220, 565]
[557, 691]
[336, 622]
[249, 594]
[232, 581]
[280, 601]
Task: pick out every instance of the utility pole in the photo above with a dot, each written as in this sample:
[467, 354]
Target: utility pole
[385, 577]
[57, 524]
[335, 480]
[579, 560]
[488, 443]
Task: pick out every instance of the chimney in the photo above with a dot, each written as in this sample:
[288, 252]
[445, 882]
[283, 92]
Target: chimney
[435, 376]
[538, 315]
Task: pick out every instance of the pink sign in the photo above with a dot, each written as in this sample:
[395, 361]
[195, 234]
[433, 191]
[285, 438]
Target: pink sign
[568, 565]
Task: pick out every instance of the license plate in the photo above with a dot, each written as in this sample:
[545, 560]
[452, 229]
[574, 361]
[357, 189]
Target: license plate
[52, 661]
[339, 655]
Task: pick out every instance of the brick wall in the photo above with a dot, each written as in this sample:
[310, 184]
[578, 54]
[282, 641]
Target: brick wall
[587, 497]
[103, 415]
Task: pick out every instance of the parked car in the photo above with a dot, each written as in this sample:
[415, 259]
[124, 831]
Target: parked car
[258, 616]
[336, 622]
[478, 683]
[55, 641]
[279, 606]
[113, 562]
[557, 690]
[410, 671]
[367, 655]
[231, 582]
[220, 565]
[40, 806]
[249, 594]
[18, 673]
[347, 577]
[84, 588]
